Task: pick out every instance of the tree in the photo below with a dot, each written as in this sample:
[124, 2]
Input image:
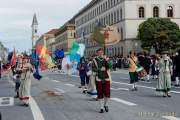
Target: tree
[161, 33]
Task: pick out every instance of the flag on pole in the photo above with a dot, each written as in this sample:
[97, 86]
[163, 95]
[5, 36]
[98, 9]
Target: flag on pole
[13, 59]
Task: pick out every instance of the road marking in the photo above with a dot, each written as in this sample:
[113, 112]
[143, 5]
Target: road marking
[177, 92]
[121, 72]
[6, 101]
[69, 75]
[74, 75]
[170, 117]
[123, 101]
[71, 85]
[55, 81]
[37, 114]
[59, 90]
[116, 89]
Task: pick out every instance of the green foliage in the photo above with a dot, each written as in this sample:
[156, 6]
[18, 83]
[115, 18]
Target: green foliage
[161, 33]
[98, 36]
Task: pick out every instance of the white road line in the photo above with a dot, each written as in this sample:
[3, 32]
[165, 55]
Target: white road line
[74, 75]
[59, 90]
[6, 101]
[71, 85]
[170, 117]
[69, 75]
[177, 92]
[55, 81]
[35, 110]
[37, 114]
[120, 72]
[123, 101]
[116, 89]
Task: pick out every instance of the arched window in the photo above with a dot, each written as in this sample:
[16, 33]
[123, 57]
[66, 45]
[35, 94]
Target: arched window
[170, 11]
[156, 11]
[141, 12]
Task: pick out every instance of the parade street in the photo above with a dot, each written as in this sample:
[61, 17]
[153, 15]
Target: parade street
[57, 97]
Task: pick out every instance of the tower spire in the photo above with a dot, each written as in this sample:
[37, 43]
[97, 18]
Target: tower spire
[34, 27]
[34, 22]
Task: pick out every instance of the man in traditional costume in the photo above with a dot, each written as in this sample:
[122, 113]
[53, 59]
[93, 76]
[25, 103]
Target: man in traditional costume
[26, 76]
[132, 70]
[101, 66]
[165, 71]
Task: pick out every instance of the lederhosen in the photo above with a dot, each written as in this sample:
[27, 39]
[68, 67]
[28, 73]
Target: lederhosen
[102, 78]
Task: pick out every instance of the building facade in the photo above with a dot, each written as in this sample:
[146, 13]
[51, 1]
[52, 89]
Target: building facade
[126, 15]
[47, 40]
[65, 36]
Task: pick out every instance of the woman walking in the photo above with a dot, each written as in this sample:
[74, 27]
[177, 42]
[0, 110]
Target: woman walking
[24, 91]
[165, 71]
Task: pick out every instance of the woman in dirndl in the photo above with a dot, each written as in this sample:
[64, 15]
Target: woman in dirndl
[165, 71]
[26, 76]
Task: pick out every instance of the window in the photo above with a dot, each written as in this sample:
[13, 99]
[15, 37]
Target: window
[120, 14]
[109, 4]
[155, 11]
[115, 20]
[112, 18]
[122, 34]
[170, 11]
[106, 5]
[109, 19]
[141, 12]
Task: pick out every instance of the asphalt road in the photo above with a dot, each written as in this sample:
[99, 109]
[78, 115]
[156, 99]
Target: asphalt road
[57, 97]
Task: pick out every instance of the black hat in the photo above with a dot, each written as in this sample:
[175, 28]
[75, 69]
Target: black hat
[100, 49]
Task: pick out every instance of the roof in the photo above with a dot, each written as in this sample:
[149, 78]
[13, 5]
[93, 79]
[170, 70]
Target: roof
[34, 22]
[87, 7]
[53, 31]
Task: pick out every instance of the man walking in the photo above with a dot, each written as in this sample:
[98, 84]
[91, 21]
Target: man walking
[132, 70]
[101, 67]
[177, 68]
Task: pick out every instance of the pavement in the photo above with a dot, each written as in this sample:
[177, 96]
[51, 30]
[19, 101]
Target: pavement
[57, 97]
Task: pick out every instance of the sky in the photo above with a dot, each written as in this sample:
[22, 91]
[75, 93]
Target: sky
[16, 19]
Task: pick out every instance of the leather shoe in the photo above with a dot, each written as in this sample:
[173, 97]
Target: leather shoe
[106, 108]
[101, 111]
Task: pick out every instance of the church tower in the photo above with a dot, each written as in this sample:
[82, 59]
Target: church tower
[34, 27]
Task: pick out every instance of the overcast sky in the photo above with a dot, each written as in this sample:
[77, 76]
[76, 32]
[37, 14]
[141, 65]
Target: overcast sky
[16, 18]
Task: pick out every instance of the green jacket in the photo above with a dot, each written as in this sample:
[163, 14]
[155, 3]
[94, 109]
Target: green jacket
[98, 64]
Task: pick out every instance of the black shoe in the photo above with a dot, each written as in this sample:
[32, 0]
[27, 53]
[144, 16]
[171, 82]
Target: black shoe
[26, 105]
[101, 111]
[176, 85]
[84, 91]
[164, 95]
[106, 108]
[133, 89]
[16, 96]
[168, 95]
[136, 89]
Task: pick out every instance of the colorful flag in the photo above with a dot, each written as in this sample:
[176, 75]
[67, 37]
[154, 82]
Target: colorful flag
[13, 59]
